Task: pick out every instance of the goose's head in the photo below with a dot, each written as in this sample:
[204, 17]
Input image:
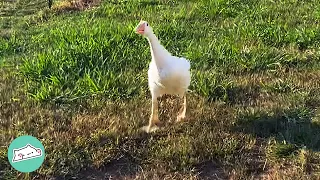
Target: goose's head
[144, 28]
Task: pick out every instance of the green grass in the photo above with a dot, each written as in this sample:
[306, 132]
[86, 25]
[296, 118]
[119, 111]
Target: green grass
[78, 82]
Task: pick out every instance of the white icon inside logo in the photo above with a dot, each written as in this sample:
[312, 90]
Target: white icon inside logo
[25, 153]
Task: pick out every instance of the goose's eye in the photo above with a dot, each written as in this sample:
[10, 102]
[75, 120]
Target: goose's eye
[147, 24]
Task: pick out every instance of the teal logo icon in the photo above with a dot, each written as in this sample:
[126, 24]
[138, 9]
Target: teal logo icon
[26, 154]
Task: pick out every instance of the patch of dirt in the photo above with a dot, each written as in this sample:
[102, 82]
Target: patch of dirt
[212, 170]
[120, 169]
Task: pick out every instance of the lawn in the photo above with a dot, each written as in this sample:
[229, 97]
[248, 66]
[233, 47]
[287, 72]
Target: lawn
[77, 80]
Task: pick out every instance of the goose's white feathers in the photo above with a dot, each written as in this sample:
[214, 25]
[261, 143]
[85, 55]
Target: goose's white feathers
[172, 78]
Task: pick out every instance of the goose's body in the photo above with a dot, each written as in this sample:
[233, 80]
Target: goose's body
[173, 78]
[167, 74]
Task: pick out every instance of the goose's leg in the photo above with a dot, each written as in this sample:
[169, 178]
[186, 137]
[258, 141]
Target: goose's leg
[154, 117]
[182, 112]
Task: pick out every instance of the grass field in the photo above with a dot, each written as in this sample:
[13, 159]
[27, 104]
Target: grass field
[77, 80]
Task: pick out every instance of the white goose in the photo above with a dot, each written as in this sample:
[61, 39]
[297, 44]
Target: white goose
[167, 74]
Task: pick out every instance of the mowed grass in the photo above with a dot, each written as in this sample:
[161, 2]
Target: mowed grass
[78, 82]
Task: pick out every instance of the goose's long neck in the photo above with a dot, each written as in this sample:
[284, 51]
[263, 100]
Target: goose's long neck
[158, 52]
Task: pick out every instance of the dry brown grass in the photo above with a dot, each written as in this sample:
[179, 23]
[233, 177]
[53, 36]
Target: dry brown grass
[64, 130]
[74, 5]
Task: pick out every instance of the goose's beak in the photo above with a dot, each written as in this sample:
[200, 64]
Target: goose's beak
[140, 29]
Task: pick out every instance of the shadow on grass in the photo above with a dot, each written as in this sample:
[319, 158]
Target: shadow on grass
[297, 126]
[21, 9]
[245, 95]
[313, 99]
[150, 3]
